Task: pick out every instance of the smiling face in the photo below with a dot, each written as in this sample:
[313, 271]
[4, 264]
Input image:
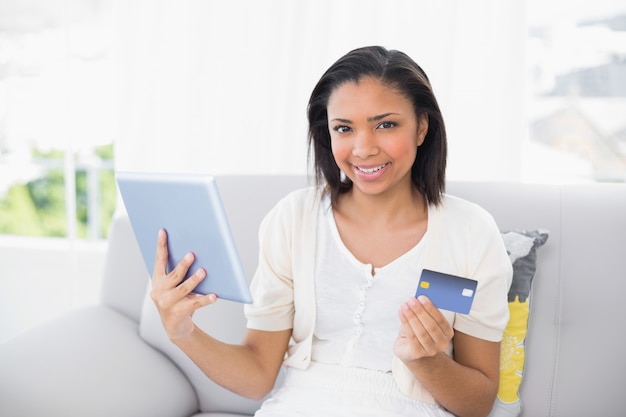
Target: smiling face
[374, 135]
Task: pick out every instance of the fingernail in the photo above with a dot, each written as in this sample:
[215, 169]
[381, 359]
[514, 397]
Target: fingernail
[422, 299]
[412, 301]
[189, 257]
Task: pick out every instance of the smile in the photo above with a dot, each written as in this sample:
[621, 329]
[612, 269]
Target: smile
[371, 170]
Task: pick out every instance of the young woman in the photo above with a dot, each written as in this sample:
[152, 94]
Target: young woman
[340, 262]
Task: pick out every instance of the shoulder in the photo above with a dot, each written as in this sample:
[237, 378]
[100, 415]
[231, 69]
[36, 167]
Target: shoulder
[295, 206]
[302, 196]
[459, 220]
[298, 200]
[456, 209]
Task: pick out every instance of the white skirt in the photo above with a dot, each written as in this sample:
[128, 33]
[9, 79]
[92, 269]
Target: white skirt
[336, 391]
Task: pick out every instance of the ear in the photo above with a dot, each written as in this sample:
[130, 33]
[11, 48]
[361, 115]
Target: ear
[422, 128]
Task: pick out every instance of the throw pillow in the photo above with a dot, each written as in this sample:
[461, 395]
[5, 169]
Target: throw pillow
[521, 246]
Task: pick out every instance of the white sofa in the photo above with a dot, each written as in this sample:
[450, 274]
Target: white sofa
[113, 359]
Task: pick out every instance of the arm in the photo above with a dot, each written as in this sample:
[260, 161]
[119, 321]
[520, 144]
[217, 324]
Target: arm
[249, 369]
[466, 385]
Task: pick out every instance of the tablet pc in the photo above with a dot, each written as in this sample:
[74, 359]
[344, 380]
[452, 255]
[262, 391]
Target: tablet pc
[189, 208]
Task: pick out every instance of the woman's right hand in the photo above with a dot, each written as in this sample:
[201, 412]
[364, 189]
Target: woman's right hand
[174, 298]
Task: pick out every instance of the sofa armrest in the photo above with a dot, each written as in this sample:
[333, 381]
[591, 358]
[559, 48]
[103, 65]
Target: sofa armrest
[90, 362]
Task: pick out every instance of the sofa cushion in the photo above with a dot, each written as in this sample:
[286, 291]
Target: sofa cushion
[90, 362]
[521, 246]
[223, 320]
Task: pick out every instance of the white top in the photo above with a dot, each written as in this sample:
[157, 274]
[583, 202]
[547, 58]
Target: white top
[357, 321]
[463, 239]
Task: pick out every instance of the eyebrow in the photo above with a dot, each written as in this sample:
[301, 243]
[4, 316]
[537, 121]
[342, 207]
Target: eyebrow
[369, 119]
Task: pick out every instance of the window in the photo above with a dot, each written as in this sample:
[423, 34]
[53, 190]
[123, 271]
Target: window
[577, 79]
[57, 119]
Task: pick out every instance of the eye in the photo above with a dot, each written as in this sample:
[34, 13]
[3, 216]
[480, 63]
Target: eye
[387, 125]
[342, 129]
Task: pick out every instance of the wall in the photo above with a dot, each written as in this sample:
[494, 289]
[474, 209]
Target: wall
[222, 87]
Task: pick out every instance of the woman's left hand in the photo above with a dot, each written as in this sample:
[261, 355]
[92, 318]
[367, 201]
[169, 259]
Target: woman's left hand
[424, 331]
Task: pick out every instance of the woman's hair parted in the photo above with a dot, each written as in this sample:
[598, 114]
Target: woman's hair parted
[399, 71]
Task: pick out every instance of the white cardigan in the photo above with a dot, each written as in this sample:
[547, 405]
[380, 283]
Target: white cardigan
[463, 240]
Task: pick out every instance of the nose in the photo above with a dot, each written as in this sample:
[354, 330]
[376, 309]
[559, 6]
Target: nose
[365, 144]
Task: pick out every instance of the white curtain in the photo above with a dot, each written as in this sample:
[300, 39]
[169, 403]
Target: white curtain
[221, 86]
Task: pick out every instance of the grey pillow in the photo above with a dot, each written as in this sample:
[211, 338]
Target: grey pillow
[521, 245]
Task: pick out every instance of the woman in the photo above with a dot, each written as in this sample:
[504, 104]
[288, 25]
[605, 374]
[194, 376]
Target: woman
[340, 262]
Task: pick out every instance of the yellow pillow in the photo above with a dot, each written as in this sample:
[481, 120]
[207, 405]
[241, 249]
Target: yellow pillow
[512, 352]
[521, 247]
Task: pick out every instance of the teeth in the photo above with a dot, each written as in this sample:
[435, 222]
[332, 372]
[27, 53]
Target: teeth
[371, 170]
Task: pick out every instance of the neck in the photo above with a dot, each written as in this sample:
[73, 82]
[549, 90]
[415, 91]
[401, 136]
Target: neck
[390, 207]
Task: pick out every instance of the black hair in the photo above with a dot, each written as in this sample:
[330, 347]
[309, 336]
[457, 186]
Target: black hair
[399, 71]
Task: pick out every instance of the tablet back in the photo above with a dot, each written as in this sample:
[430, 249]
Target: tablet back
[190, 209]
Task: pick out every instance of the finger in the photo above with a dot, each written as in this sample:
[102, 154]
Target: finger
[407, 340]
[437, 317]
[411, 311]
[198, 301]
[437, 327]
[177, 275]
[187, 287]
[424, 327]
[180, 296]
[160, 260]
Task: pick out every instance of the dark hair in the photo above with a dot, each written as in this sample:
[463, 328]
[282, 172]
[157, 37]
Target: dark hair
[400, 72]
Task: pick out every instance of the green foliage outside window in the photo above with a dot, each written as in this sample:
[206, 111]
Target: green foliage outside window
[37, 208]
[107, 202]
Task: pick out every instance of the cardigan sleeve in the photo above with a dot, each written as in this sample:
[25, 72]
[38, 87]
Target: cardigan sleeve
[469, 244]
[283, 286]
[489, 264]
[272, 284]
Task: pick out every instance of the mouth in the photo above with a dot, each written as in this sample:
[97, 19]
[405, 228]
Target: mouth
[372, 170]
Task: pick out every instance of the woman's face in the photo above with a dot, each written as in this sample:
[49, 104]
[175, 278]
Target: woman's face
[374, 135]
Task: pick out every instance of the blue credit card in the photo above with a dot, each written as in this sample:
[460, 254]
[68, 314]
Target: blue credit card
[447, 292]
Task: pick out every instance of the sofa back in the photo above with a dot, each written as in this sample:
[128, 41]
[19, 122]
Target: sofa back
[574, 361]
[125, 274]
